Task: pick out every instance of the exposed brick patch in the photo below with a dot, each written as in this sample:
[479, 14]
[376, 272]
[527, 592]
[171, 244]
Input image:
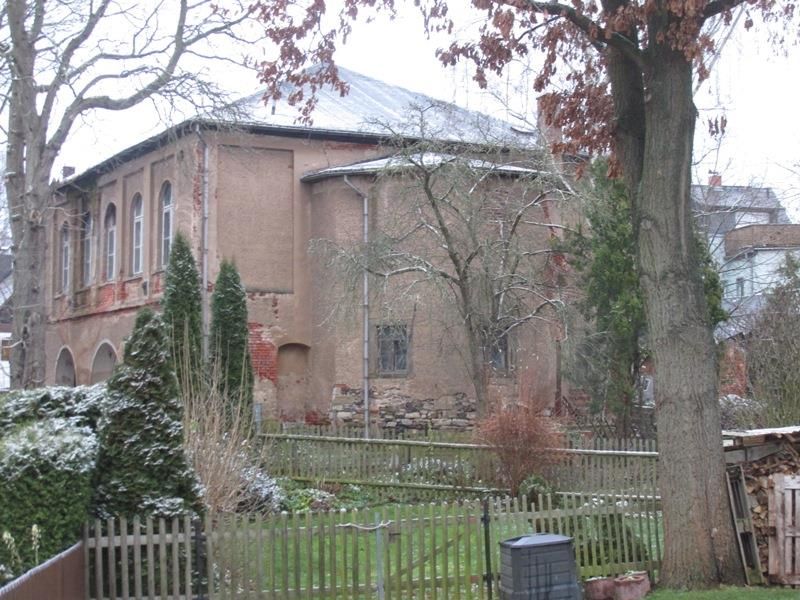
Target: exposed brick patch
[263, 353]
[156, 283]
[733, 370]
[105, 296]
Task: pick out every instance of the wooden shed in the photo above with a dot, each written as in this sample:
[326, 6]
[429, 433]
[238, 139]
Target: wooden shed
[764, 485]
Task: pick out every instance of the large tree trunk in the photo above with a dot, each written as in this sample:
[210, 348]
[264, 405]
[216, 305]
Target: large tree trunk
[28, 165]
[28, 353]
[699, 540]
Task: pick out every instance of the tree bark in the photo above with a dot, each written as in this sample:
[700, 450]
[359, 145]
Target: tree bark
[699, 539]
[28, 165]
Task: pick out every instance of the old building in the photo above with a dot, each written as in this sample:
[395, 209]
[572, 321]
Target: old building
[257, 193]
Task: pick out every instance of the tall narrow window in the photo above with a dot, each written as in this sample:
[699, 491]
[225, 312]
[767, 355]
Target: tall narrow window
[111, 242]
[137, 231]
[64, 278]
[87, 235]
[166, 222]
[392, 350]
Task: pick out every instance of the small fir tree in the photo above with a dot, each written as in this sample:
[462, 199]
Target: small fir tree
[183, 309]
[607, 362]
[229, 337]
[142, 468]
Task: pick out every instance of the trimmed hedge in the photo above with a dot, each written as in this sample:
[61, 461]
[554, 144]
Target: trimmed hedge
[46, 469]
[81, 404]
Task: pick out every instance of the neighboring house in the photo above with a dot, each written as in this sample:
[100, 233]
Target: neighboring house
[257, 193]
[748, 233]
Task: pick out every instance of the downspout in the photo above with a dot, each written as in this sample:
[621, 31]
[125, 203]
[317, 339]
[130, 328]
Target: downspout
[204, 243]
[364, 306]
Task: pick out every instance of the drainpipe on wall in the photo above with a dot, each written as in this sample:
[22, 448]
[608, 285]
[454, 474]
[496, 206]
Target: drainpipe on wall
[204, 243]
[364, 306]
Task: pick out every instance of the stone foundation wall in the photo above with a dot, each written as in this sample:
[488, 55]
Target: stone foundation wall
[391, 409]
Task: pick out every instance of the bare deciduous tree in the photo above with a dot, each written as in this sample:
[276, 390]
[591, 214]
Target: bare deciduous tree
[467, 232]
[63, 60]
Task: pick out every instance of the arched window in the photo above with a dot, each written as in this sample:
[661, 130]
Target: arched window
[137, 232]
[103, 364]
[64, 263]
[111, 242]
[166, 222]
[87, 236]
[65, 368]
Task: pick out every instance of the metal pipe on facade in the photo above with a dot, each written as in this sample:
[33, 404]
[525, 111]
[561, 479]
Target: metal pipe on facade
[364, 306]
[204, 241]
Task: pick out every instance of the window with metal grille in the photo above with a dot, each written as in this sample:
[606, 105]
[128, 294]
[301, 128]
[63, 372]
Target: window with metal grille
[392, 349]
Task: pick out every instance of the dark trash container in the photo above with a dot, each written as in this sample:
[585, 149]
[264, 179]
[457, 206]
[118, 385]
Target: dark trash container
[539, 566]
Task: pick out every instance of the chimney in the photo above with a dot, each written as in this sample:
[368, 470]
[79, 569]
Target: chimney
[67, 172]
[715, 179]
[550, 133]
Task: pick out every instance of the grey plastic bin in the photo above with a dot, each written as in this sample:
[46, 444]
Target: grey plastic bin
[539, 566]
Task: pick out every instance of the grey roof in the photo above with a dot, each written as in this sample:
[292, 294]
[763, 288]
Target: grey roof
[720, 209]
[377, 108]
[735, 196]
[428, 159]
[372, 112]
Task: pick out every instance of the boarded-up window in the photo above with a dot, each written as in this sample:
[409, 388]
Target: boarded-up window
[256, 192]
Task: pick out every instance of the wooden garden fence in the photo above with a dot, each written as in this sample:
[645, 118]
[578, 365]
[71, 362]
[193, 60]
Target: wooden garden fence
[430, 466]
[406, 551]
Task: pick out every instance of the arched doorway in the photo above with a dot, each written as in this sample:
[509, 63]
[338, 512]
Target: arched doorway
[293, 379]
[103, 364]
[65, 368]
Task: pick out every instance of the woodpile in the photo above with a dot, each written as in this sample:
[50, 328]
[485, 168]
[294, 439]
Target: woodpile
[786, 459]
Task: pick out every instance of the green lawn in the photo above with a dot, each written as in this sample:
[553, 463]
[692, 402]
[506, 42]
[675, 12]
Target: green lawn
[729, 593]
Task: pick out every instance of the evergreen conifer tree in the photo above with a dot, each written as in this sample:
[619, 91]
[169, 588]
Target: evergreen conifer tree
[229, 337]
[142, 467]
[183, 309]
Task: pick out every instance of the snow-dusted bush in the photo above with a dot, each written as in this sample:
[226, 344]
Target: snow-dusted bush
[45, 469]
[82, 404]
[142, 468]
[260, 492]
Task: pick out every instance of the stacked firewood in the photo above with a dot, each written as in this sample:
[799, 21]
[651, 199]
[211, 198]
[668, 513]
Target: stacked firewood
[786, 460]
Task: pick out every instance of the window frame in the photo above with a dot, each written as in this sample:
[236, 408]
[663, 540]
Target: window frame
[87, 246]
[137, 235]
[740, 288]
[166, 217]
[500, 348]
[110, 242]
[394, 334]
[64, 256]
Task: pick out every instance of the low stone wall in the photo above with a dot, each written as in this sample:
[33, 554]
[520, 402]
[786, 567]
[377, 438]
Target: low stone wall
[391, 409]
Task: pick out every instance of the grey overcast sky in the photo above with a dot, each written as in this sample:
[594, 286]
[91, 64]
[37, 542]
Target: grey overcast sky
[755, 89]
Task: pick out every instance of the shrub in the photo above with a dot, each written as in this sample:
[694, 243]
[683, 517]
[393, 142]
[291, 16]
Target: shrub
[524, 439]
[225, 457]
[46, 472]
[183, 309]
[229, 337]
[142, 467]
[82, 405]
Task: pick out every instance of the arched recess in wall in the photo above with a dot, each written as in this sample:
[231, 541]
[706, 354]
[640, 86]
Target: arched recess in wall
[65, 368]
[103, 364]
[293, 380]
